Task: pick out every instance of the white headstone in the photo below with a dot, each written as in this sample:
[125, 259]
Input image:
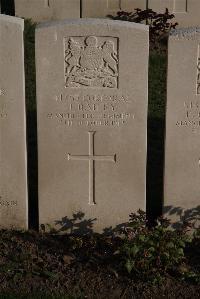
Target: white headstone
[103, 8]
[45, 10]
[13, 166]
[92, 119]
[182, 147]
[186, 11]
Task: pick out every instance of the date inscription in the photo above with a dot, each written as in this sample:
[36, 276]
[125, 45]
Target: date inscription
[7, 203]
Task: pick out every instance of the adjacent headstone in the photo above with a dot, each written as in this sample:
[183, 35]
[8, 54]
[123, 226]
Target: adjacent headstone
[160, 5]
[182, 148]
[38, 11]
[186, 11]
[99, 9]
[63, 9]
[92, 118]
[45, 10]
[13, 169]
[103, 8]
[130, 5]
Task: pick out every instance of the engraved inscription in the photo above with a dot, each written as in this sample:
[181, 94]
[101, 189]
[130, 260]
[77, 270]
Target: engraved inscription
[191, 116]
[7, 203]
[180, 6]
[91, 158]
[92, 110]
[90, 119]
[3, 114]
[2, 92]
[191, 33]
[198, 72]
[96, 98]
[91, 62]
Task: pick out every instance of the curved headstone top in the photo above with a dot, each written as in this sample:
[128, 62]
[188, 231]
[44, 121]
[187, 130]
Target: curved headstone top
[93, 21]
[11, 19]
[185, 33]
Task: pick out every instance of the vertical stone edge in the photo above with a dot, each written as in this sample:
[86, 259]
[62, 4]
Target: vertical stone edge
[20, 22]
[146, 124]
[25, 129]
[164, 189]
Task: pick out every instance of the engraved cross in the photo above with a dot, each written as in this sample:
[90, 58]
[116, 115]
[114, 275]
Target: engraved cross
[92, 158]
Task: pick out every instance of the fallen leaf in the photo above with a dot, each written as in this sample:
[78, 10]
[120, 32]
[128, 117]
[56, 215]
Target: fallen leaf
[68, 259]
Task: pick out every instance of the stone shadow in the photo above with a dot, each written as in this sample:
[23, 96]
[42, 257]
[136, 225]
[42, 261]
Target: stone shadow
[7, 7]
[184, 216]
[78, 224]
[31, 120]
[155, 165]
[32, 155]
[156, 134]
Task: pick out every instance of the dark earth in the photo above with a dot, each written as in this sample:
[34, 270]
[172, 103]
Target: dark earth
[66, 266]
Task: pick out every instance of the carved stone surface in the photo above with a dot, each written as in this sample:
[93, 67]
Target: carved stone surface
[92, 117]
[45, 10]
[102, 8]
[182, 154]
[186, 11]
[91, 62]
[190, 33]
[130, 5]
[13, 168]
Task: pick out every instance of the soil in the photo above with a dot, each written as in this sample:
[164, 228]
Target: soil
[82, 267]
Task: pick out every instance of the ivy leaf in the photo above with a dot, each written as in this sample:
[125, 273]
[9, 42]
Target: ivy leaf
[129, 265]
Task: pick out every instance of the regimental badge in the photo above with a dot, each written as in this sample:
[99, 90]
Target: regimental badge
[91, 62]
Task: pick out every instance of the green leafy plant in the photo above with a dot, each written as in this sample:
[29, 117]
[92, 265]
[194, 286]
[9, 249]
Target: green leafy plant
[159, 24]
[150, 253]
